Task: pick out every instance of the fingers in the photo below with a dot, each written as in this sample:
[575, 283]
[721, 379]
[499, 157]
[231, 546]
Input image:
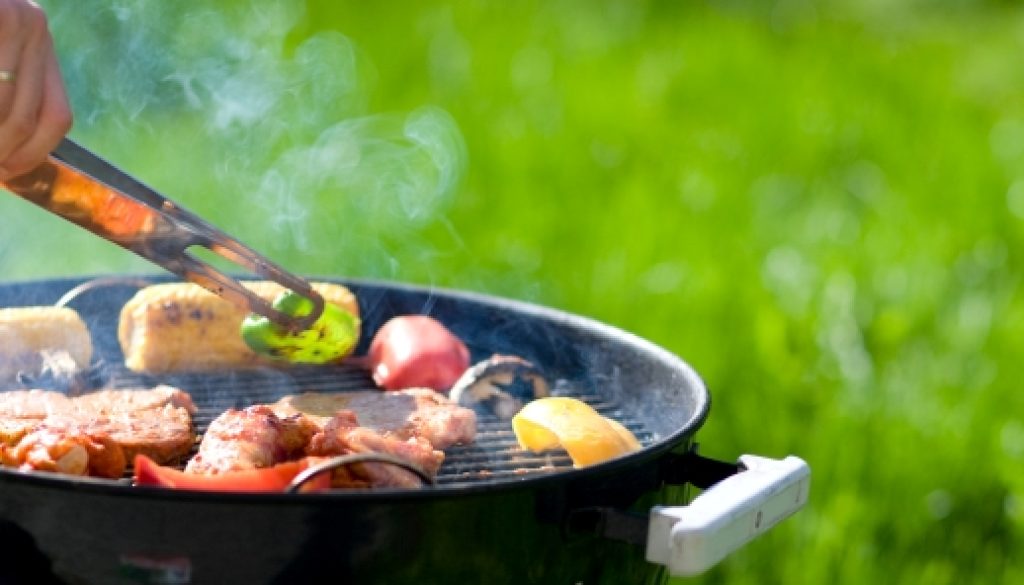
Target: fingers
[37, 114]
[13, 29]
[9, 57]
[54, 121]
[21, 122]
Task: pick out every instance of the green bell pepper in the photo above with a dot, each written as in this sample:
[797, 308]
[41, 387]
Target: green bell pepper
[331, 337]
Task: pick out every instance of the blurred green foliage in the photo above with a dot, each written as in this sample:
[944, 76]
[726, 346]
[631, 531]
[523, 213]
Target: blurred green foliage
[819, 205]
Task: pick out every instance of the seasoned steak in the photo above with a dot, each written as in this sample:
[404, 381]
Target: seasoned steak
[36, 425]
[416, 412]
[164, 434]
[33, 404]
[42, 403]
[120, 401]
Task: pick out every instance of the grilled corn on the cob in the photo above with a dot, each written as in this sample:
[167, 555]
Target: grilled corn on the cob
[182, 326]
[33, 339]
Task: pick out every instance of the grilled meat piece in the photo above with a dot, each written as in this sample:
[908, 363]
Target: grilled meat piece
[163, 434]
[33, 404]
[178, 326]
[415, 412]
[342, 435]
[155, 422]
[124, 401]
[251, 438]
[42, 403]
[21, 410]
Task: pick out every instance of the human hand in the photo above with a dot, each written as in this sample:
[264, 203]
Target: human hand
[34, 109]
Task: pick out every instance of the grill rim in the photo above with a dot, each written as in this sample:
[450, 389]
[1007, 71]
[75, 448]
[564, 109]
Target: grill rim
[650, 454]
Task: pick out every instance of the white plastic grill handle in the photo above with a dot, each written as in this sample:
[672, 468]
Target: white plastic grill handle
[691, 539]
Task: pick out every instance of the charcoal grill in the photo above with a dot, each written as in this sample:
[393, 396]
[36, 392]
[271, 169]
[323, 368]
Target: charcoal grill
[497, 515]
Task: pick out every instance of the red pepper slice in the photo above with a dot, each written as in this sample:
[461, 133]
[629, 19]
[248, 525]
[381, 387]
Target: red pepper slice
[269, 479]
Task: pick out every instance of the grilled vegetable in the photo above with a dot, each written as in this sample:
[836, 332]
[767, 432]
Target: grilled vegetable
[416, 351]
[588, 437]
[33, 339]
[331, 337]
[182, 326]
[499, 384]
[268, 479]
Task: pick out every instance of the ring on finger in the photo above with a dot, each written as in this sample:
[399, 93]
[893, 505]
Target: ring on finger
[7, 75]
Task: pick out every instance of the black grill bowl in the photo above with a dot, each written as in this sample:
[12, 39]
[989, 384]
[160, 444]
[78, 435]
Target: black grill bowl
[498, 515]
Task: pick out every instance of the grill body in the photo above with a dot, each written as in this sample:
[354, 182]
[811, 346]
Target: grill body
[499, 515]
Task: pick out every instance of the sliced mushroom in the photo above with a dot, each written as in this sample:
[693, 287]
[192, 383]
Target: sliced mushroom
[492, 383]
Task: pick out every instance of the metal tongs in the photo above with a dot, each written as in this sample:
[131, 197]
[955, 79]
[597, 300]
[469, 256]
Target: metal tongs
[86, 190]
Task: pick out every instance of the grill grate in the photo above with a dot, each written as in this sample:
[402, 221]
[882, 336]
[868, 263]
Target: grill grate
[494, 456]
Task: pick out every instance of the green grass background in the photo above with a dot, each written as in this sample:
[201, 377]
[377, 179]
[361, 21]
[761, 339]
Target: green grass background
[818, 205]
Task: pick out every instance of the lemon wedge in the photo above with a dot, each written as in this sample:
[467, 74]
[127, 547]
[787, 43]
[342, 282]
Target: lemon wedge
[557, 421]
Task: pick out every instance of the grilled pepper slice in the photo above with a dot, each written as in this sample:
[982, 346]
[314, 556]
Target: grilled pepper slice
[330, 338]
[269, 479]
[559, 421]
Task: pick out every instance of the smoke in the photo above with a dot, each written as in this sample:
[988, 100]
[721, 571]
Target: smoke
[231, 111]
